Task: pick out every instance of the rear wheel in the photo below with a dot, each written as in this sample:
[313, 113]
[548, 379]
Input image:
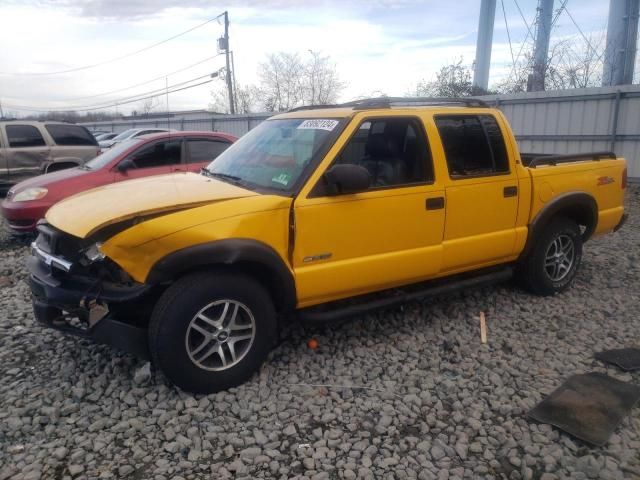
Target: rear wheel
[554, 260]
[210, 332]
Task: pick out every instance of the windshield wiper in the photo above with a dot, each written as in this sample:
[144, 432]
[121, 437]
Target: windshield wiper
[224, 176]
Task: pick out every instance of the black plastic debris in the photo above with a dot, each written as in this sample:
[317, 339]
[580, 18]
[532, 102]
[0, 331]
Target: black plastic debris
[628, 359]
[588, 406]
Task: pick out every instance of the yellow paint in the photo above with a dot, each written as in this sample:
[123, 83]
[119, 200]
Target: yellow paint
[84, 213]
[349, 244]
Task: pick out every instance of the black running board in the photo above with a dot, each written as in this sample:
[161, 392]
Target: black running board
[342, 309]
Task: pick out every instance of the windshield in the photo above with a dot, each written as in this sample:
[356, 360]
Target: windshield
[106, 157]
[274, 154]
[124, 135]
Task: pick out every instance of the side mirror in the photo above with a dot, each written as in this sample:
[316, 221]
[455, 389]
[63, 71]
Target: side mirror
[347, 178]
[126, 164]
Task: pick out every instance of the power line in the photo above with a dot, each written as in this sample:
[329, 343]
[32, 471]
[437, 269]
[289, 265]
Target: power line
[559, 12]
[506, 24]
[583, 35]
[146, 82]
[112, 60]
[124, 101]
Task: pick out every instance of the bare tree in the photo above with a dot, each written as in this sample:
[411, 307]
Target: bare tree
[147, 105]
[281, 81]
[246, 99]
[453, 80]
[572, 63]
[321, 82]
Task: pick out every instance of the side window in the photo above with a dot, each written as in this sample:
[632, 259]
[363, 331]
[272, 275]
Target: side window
[68, 135]
[393, 150]
[473, 145]
[159, 154]
[22, 136]
[205, 150]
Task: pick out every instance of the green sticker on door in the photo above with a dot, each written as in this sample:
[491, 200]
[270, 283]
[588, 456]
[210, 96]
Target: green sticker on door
[282, 178]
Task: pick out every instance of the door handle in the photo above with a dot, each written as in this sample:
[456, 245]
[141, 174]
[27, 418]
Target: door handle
[436, 203]
[510, 192]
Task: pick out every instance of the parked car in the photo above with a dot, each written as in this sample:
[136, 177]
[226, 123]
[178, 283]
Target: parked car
[316, 214]
[143, 156]
[98, 133]
[29, 148]
[103, 137]
[127, 134]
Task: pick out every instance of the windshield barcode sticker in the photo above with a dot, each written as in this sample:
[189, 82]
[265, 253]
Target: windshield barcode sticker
[318, 124]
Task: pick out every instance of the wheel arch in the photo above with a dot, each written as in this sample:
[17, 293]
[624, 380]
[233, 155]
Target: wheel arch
[250, 256]
[580, 207]
[62, 164]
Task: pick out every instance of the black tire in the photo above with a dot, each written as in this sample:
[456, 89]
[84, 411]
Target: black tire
[534, 275]
[172, 330]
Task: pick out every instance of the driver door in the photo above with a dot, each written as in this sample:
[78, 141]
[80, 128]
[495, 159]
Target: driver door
[386, 236]
[157, 158]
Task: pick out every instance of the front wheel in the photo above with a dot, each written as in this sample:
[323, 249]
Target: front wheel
[210, 332]
[554, 260]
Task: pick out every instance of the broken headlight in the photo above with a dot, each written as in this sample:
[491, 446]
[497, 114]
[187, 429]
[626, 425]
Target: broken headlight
[93, 253]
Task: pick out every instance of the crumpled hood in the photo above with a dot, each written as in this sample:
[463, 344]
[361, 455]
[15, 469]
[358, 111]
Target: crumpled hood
[83, 214]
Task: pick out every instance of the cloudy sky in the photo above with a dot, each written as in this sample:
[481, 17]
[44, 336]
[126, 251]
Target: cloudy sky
[378, 46]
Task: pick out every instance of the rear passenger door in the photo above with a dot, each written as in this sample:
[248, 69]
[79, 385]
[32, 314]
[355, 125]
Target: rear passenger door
[481, 191]
[72, 143]
[200, 152]
[27, 152]
[156, 158]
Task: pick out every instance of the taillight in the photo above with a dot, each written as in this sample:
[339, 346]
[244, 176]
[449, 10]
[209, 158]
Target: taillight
[623, 184]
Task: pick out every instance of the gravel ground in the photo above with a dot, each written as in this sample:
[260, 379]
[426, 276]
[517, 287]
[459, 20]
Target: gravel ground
[402, 394]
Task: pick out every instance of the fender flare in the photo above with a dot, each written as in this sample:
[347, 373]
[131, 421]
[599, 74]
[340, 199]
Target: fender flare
[578, 205]
[259, 258]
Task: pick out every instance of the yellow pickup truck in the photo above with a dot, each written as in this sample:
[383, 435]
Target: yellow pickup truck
[316, 214]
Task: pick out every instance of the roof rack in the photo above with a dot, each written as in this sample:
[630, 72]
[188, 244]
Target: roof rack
[313, 107]
[388, 102]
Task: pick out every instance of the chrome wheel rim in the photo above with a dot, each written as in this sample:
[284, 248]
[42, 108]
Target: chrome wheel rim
[559, 258]
[220, 335]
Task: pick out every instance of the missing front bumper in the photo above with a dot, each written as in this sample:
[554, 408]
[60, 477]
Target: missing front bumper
[56, 300]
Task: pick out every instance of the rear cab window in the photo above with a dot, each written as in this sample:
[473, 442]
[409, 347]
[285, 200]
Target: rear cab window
[473, 145]
[24, 136]
[71, 135]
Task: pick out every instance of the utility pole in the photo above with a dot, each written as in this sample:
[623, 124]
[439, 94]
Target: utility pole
[622, 35]
[483, 44]
[232, 107]
[541, 52]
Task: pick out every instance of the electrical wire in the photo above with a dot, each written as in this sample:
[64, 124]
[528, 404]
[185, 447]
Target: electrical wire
[559, 12]
[118, 103]
[145, 82]
[115, 59]
[583, 35]
[506, 24]
[523, 19]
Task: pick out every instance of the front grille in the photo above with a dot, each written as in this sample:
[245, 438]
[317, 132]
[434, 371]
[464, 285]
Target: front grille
[58, 243]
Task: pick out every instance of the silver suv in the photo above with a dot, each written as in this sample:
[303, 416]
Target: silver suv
[29, 148]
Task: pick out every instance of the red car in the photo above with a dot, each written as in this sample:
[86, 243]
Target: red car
[154, 154]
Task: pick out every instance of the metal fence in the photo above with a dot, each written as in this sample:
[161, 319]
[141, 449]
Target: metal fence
[576, 121]
[568, 121]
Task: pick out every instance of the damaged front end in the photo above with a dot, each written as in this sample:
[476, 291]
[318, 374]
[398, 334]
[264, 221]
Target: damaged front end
[79, 291]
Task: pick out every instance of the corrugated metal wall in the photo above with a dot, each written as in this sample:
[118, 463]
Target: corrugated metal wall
[568, 121]
[575, 121]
